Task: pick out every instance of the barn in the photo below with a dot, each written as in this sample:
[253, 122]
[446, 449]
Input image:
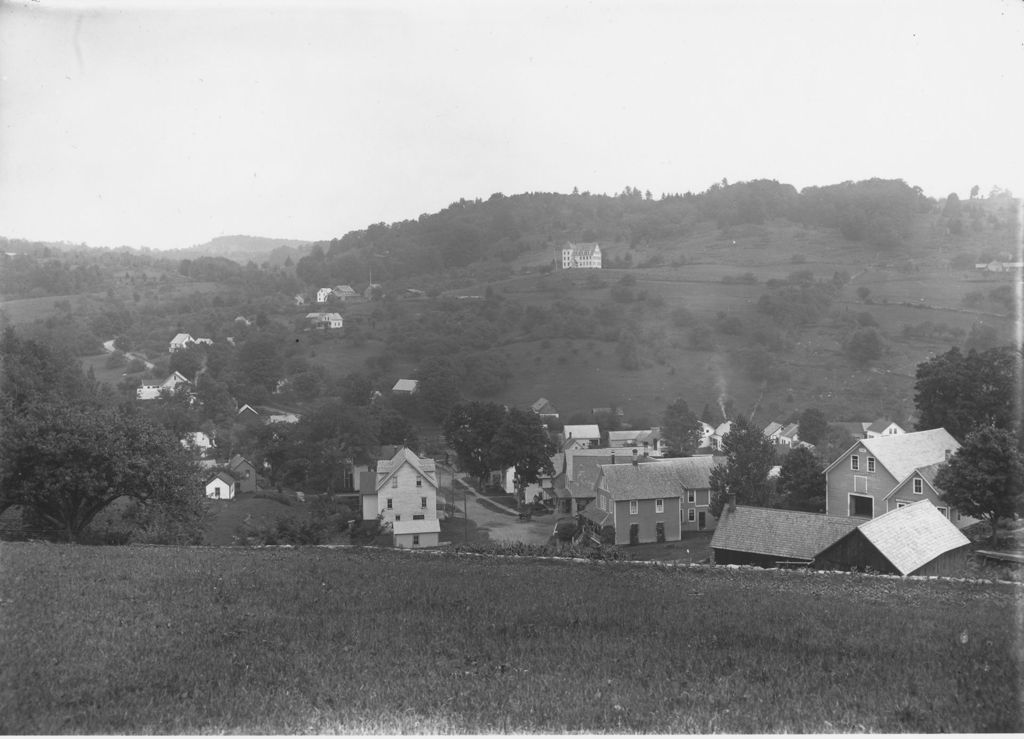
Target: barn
[768, 537]
[914, 540]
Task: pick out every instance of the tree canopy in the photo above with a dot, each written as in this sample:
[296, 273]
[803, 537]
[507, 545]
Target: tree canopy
[801, 483]
[750, 456]
[681, 428]
[813, 426]
[66, 464]
[984, 478]
[962, 393]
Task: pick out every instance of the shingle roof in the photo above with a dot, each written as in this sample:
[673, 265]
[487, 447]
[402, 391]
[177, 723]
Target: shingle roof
[912, 536]
[582, 250]
[790, 430]
[423, 526]
[901, 454]
[425, 466]
[879, 425]
[771, 428]
[543, 405]
[778, 533]
[237, 460]
[223, 477]
[181, 338]
[582, 471]
[665, 478]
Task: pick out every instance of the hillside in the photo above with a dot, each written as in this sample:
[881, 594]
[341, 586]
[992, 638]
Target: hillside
[750, 297]
[245, 249]
[312, 640]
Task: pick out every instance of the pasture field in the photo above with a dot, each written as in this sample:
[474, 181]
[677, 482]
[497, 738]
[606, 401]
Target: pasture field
[313, 640]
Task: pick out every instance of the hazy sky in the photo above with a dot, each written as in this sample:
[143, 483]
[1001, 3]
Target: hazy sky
[166, 124]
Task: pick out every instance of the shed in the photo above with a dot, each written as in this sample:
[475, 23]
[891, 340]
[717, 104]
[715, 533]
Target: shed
[221, 487]
[913, 540]
[417, 533]
[749, 535]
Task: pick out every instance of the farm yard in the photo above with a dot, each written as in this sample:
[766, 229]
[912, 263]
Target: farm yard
[315, 640]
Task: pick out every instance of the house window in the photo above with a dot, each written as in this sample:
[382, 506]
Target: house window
[691, 496]
[659, 506]
[862, 505]
[691, 515]
[415, 540]
[417, 517]
[871, 464]
[398, 516]
[854, 462]
[901, 504]
[634, 507]
[942, 511]
[419, 481]
[423, 502]
[918, 486]
[390, 506]
[394, 482]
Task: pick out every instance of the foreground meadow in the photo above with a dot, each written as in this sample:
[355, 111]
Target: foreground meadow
[314, 640]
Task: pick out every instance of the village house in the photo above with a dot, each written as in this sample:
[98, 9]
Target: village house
[197, 441]
[871, 429]
[174, 384]
[707, 433]
[772, 431]
[543, 408]
[649, 501]
[581, 436]
[581, 256]
[323, 293]
[875, 475]
[573, 485]
[221, 486]
[719, 434]
[180, 341]
[406, 387]
[344, 292]
[404, 494]
[325, 320]
[244, 472]
[248, 415]
[647, 442]
[542, 490]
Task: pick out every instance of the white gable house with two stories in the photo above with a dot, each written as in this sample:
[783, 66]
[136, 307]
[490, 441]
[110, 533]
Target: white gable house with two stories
[405, 496]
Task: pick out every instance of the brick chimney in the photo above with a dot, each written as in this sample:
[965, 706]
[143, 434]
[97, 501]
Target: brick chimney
[613, 456]
[636, 460]
[731, 502]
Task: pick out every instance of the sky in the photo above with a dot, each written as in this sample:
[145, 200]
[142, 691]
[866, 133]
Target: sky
[167, 124]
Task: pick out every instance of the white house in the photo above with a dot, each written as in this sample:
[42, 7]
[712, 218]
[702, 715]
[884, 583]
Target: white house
[581, 256]
[581, 436]
[323, 293]
[175, 383]
[405, 495]
[647, 442]
[720, 431]
[181, 341]
[883, 427]
[326, 320]
[197, 441]
[221, 487]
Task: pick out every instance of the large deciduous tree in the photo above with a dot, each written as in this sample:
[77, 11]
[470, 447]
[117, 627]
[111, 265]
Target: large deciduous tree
[522, 442]
[66, 464]
[984, 478]
[813, 426]
[749, 458]
[681, 428]
[469, 429]
[801, 482]
[964, 392]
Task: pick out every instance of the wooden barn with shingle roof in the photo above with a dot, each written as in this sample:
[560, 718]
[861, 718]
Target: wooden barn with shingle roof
[766, 537]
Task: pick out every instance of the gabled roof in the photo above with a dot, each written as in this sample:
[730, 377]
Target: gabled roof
[542, 406]
[582, 250]
[771, 428]
[423, 526]
[778, 533]
[406, 386]
[879, 425]
[175, 378]
[723, 428]
[901, 454]
[248, 408]
[582, 431]
[582, 470]
[636, 436]
[223, 477]
[181, 338]
[386, 468]
[237, 460]
[912, 536]
[666, 478]
[345, 290]
[790, 430]
[926, 473]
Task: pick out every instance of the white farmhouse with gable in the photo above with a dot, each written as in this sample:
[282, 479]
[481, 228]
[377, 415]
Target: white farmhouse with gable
[405, 495]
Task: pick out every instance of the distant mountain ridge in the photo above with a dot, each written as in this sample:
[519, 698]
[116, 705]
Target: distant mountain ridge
[243, 248]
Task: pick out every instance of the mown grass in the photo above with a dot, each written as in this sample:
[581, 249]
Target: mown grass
[210, 640]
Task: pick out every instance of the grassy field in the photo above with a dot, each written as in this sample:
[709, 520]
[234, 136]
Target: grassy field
[198, 640]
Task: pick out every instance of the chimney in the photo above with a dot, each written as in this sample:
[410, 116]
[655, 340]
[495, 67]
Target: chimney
[732, 502]
[949, 453]
[636, 461]
[613, 456]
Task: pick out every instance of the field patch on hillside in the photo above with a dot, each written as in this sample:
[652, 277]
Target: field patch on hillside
[313, 640]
